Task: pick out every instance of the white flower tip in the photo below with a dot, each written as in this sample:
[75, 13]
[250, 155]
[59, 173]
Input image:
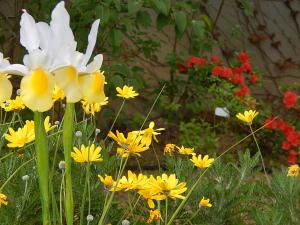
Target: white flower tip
[125, 222]
[62, 165]
[89, 218]
[78, 133]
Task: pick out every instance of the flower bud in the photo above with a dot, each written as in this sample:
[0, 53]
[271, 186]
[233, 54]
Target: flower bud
[78, 133]
[97, 131]
[57, 122]
[62, 165]
[125, 222]
[89, 218]
[25, 178]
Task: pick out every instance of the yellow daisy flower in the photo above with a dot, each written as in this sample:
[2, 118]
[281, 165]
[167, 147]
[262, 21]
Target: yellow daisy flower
[107, 180]
[148, 134]
[20, 137]
[92, 108]
[205, 203]
[5, 87]
[168, 186]
[294, 171]
[3, 199]
[149, 193]
[132, 181]
[25, 134]
[87, 154]
[155, 216]
[126, 92]
[129, 145]
[202, 162]
[169, 148]
[186, 151]
[248, 116]
[57, 94]
[36, 90]
[13, 105]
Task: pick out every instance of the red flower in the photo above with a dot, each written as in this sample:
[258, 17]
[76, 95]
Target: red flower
[182, 68]
[253, 79]
[242, 91]
[238, 79]
[243, 57]
[292, 157]
[281, 124]
[285, 145]
[227, 72]
[237, 70]
[195, 61]
[290, 99]
[214, 58]
[246, 67]
[270, 123]
[217, 70]
[292, 138]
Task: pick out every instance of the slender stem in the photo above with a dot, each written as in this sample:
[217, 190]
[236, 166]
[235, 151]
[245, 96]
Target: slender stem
[192, 217]
[166, 214]
[84, 196]
[156, 156]
[113, 124]
[260, 154]
[42, 161]
[68, 133]
[61, 197]
[138, 162]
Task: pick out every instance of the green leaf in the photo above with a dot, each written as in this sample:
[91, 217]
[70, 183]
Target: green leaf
[198, 28]
[115, 38]
[162, 21]
[103, 14]
[180, 21]
[117, 80]
[143, 19]
[134, 6]
[161, 6]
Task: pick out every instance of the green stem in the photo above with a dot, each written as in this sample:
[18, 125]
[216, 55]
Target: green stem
[117, 116]
[68, 133]
[260, 154]
[42, 161]
[166, 214]
[84, 196]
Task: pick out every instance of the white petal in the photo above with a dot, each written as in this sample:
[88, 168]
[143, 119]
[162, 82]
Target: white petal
[16, 69]
[95, 64]
[92, 38]
[29, 36]
[37, 58]
[45, 35]
[222, 112]
[60, 26]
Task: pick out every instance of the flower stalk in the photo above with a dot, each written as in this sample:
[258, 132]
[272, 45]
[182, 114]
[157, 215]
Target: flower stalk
[68, 132]
[42, 161]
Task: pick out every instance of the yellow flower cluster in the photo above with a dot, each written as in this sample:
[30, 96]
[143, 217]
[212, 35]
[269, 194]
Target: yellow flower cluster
[294, 171]
[136, 142]
[198, 161]
[92, 108]
[24, 135]
[13, 104]
[87, 154]
[205, 203]
[3, 199]
[150, 188]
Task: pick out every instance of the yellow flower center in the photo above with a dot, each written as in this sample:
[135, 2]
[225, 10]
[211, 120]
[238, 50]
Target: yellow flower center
[98, 83]
[39, 81]
[71, 74]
